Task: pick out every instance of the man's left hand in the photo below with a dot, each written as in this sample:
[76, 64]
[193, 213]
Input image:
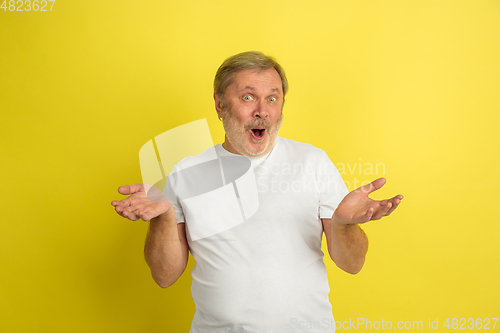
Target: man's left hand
[357, 207]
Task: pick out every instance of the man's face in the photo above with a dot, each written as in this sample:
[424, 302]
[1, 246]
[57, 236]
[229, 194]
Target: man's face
[252, 116]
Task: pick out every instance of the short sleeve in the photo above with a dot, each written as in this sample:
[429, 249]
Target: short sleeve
[170, 192]
[332, 188]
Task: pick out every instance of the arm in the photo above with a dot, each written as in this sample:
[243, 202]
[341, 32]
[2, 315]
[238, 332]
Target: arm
[347, 245]
[347, 242]
[166, 248]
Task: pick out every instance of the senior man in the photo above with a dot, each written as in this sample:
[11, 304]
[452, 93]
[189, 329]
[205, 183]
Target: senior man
[266, 274]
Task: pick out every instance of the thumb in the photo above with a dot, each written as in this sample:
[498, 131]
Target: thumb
[373, 186]
[130, 189]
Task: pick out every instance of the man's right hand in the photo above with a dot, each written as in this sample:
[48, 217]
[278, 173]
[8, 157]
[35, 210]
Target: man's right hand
[144, 202]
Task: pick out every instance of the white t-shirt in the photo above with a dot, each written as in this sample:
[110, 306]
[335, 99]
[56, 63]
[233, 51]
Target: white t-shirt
[255, 232]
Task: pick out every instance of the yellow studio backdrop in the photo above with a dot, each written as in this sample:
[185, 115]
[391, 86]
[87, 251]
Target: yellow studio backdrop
[407, 90]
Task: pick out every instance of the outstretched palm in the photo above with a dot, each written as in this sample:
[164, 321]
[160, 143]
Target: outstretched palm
[357, 207]
[145, 202]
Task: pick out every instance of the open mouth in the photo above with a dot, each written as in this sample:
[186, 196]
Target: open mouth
[258, 133]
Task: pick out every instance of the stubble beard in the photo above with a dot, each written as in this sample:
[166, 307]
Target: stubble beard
[236, 135]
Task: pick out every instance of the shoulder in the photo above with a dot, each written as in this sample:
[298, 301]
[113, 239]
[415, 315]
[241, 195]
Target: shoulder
[300, 148]
[208, 155]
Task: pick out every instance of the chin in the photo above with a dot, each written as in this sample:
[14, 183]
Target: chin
[258, 152]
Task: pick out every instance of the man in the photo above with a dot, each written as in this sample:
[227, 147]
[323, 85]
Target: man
[266, 274]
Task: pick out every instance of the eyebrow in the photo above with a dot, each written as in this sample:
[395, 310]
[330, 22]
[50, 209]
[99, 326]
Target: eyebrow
[253, 88]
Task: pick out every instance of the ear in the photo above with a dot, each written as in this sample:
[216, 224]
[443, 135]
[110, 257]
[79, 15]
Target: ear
[218, 106]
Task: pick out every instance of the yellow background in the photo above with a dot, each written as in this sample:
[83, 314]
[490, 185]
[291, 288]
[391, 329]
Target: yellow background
[414, 85]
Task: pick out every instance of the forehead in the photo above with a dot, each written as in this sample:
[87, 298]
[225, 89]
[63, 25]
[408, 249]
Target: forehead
[254, 79]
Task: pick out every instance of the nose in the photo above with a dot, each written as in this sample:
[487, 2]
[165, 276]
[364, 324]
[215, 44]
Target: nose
[260, 109]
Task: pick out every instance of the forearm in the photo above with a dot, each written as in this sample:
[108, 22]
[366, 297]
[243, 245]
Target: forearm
[166, 249]
[348, 246]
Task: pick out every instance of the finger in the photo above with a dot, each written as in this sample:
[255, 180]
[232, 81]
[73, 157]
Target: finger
[131, 209]
[397, 197]
[132, 201]
[148, 213]
[395, 205]
[369, 214]
[373, 186]
[145, 214]
[130, 189]
[135, 210]
[126, 212]
[119, 209]
[129, 215]
[383, 202]
[362, 218]
[124, 203]
[382, 211]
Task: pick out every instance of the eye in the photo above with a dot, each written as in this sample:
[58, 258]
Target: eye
[272, 99]
[247, 98]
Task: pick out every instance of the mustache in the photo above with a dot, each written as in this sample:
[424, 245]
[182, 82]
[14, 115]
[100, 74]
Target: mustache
[258, 123]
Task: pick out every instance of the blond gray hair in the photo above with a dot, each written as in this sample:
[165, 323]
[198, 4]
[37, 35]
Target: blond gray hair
[241, 61]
